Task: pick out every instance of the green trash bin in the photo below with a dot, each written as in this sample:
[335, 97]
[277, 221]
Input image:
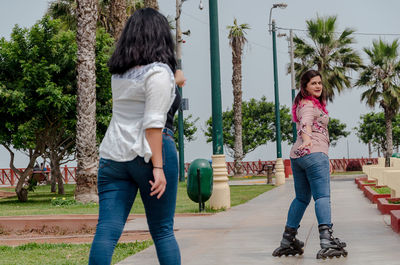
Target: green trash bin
[396, 155]
[200, 181]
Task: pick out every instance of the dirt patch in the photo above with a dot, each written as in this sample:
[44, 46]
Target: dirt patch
[15, 240]
[6, 194]
[18, 230]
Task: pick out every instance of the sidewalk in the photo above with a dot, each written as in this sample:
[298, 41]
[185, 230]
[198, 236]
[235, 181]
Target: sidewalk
[247, 234]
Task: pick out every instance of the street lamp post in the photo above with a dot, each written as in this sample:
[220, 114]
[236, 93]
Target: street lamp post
[279, 168]
[180, 110]
[220, 197]
[293, 82]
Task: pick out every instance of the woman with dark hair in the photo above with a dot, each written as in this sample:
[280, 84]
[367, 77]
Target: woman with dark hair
[138, 151]
[310, 166]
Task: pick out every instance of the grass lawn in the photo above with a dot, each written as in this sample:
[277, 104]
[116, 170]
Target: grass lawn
[62, 254]
[248, 177]
[348, 173]
[40, 201]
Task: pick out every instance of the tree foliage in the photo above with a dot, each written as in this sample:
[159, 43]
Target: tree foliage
[38, 91]
[371, 129]
[37, 66]
[258, 125]
[336, 131]
[65, 10]
[381, 77]
[189, 129]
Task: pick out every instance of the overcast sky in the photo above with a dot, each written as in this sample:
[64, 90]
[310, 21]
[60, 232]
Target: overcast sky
[368, 17]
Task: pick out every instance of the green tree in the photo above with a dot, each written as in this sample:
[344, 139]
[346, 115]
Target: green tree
[38, 95]
[371, 130]
[237, 40]
[381, 77]
[35, 90]
[189, 128]
[336, 131]
[330, 53]
[258, 125]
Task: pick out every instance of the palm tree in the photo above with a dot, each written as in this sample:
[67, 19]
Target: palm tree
[86, 175]
[237, 40]
[118, 17]
[381, 77]
[152, 4]
[65, 10]
[330, 53]
[111, 15]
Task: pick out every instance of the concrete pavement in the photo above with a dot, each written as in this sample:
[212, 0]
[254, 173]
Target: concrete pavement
[248, 233]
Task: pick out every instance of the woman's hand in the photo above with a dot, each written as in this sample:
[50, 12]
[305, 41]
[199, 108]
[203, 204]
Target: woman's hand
[180, 79]
[159, 184]
[307, 143]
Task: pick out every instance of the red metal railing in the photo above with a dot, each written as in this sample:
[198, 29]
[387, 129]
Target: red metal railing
[9, 177]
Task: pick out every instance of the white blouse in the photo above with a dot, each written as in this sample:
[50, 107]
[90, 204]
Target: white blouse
[141, 97]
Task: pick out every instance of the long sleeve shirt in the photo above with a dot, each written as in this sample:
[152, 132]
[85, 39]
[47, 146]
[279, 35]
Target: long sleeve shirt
[141, 97]
[309, 114]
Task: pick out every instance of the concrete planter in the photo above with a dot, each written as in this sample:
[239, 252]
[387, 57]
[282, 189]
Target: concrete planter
[364, 183]
[357, 180]
[372, 195]
[395, 220]
[385, 205]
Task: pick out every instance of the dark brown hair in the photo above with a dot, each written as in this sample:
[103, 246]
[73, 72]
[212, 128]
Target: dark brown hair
[303, 93]
[146, 39]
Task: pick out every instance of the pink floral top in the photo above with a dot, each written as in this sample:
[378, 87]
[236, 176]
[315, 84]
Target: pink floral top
[309, 114]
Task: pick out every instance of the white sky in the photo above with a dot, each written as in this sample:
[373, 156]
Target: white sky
[365, 16]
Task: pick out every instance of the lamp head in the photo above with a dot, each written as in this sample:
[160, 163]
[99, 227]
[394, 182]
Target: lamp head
[201, 5]
[280, 5]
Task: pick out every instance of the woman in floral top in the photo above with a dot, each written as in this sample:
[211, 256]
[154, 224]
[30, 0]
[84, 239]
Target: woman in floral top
[310, 166]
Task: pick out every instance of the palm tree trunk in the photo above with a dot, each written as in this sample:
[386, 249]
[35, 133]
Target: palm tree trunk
[389, 138]
[237, 105]
[369, 150]
[152, 4]
[118, 17]
[86, 188]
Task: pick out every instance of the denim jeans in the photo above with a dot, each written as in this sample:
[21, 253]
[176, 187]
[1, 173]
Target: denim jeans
[118, 183]
[311, 177]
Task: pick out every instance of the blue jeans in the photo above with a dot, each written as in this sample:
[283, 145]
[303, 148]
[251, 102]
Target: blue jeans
[118, 183]
[311, 177]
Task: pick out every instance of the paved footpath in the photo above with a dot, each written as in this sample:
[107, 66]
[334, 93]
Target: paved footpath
[248, 233]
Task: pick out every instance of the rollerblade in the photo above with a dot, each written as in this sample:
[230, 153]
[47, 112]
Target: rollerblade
[330, 246]
[290, 245]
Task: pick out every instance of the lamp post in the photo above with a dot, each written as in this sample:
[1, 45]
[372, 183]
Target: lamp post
[180, 111]
[293, 82]
[279, 169]
[221, 194]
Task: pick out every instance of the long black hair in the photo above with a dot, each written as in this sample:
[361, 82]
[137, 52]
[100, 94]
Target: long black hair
[146, 38]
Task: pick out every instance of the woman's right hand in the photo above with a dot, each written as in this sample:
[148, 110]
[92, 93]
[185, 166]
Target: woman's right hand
[180, 79]
[159, 184]
[307, 143]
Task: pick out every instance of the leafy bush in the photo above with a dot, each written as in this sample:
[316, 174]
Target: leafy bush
[62, 201]
[354, 165]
